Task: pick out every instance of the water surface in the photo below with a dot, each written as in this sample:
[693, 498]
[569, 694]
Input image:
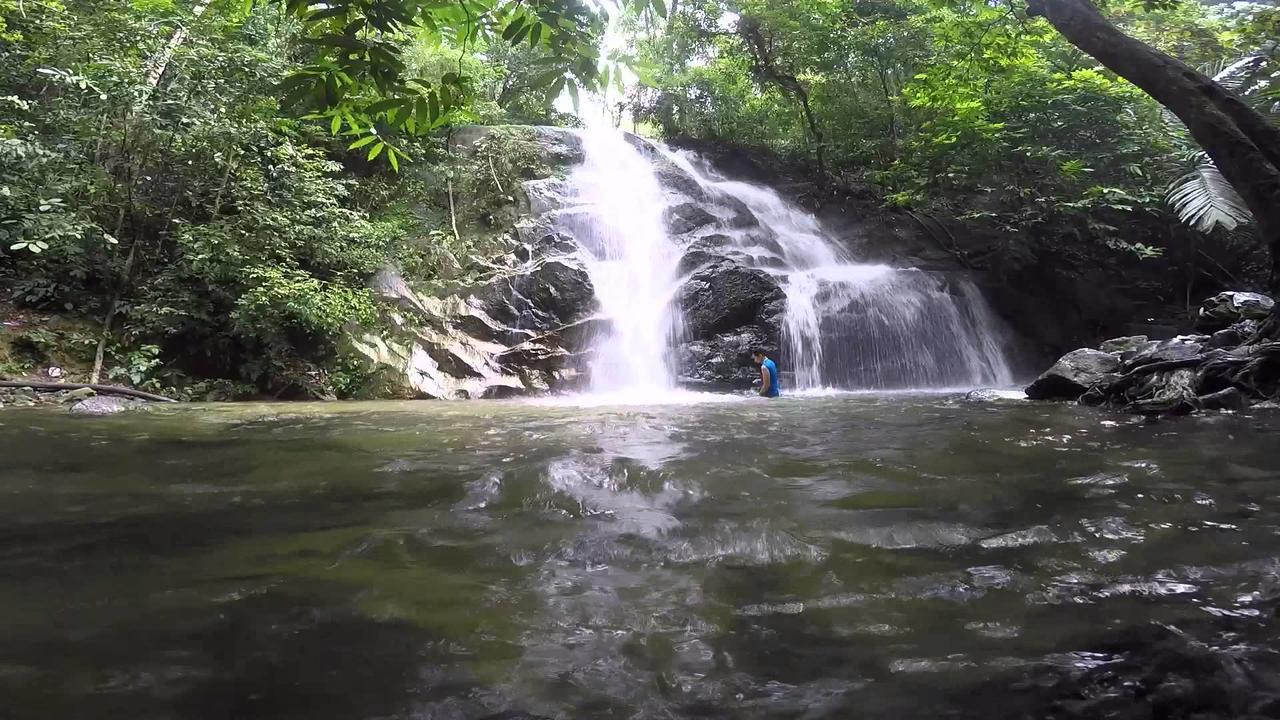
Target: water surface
[808, 557]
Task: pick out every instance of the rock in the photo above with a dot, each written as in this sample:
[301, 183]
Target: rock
[104, 405]
[983, 395]
[1229, 399]
[687, 217]
[77, 395]
[562, 288]
[1228, 338]
[723, 361]
[547, 194]
[1124, 344]
[1224, 309]
[1175, 350]
[561, 146]
[725, 296]
[1073, 374]
[1164, 393]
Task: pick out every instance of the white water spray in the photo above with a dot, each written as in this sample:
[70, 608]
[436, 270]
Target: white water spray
[632, 263]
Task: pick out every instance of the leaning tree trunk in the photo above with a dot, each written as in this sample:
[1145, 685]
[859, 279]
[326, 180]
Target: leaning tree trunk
[1243, 144]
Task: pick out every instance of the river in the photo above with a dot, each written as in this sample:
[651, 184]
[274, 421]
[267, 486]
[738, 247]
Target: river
[866, 555]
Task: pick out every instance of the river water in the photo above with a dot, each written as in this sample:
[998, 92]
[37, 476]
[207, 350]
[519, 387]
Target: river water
[812, 557]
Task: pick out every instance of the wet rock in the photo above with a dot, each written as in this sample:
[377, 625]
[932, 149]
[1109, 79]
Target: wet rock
[723, 361]
[687, 217]
[77, 395]
[547, 194]
[1073, 375]
[104, 405]
[1229, 399]
[1175, 350]
[1124, 344]
[1225, 309]
[1236, 335]
[725, 295]
[560, 146]
[1164, 392]
[562, 288]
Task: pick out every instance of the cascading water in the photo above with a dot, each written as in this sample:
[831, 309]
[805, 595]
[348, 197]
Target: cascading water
[861, 326]
[632, 262]
[846, 325]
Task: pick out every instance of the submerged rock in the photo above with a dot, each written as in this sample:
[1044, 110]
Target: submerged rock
[1073, 375]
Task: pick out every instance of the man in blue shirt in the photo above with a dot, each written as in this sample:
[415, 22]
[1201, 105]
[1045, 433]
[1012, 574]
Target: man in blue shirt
[769, 386]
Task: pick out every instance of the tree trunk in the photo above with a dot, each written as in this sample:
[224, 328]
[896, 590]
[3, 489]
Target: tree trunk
[1243, 144]
[767, 71]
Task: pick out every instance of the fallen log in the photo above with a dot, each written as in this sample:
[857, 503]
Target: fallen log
[100, 389]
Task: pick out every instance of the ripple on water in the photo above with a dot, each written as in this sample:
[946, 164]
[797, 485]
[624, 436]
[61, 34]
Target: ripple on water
[597, 488]
[1037, 535]
[754, 544]
[1113, 528]
[913, 534]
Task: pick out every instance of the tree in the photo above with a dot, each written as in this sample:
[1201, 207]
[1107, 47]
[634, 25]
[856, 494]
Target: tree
[1243, 144]
[357, 81]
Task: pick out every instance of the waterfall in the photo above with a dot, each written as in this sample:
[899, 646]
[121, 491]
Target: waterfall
[846, 324]
[853, 325]
[632, 262]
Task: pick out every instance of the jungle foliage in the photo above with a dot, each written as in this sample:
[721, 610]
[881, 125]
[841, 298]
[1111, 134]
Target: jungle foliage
[208, 186]
[974, 110]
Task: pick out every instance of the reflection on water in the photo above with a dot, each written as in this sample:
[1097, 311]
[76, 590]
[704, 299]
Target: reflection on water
[807, 557]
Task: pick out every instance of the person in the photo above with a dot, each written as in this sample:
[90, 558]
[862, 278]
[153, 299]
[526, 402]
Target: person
[769, 386]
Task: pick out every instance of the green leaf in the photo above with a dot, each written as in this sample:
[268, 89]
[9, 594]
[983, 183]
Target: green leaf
[391, 158]
[362, 142]
[377, 150]
[573, 93]
[335, 125]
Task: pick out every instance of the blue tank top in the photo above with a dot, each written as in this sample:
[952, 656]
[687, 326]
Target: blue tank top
[775, 389]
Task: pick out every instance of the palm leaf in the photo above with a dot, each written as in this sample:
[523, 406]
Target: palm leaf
[1205, 200]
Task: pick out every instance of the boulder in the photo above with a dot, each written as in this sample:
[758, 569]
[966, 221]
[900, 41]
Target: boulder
[547, 194]
[1228, 399]
[562, 288]
[725, 296]
[1161, 393]
[1225, 309]
[1124, 344]
[560, 146]
[77, 395]
[1175, 350]
[104, 405]
[687, 217]
[1073, 375]
[539, 296]
[1234, 336]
